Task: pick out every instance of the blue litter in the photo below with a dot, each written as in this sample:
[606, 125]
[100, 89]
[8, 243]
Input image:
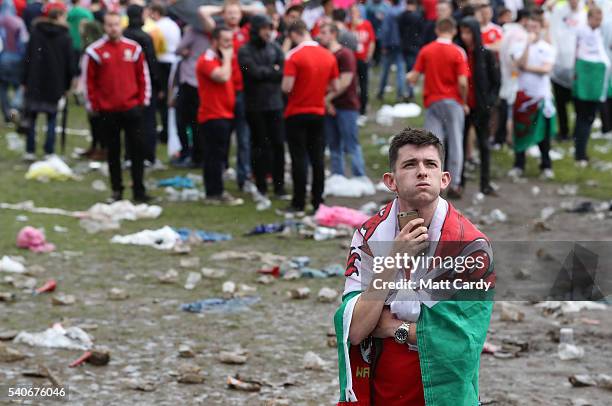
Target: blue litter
[300, 262]
[274, 227]
[179, 182]
[204, 236]
[312, 273]
[218, 304]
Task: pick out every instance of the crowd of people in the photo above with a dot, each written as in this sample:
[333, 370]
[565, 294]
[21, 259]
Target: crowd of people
[296, 73]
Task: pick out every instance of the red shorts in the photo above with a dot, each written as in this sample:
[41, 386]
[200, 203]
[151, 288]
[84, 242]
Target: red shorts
[397, 381]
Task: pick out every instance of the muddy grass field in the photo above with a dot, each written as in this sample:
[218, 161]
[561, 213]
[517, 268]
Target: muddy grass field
[153, 344]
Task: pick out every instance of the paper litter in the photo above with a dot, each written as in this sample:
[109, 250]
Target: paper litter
[53, 168]
[71, 338]
[163, 238]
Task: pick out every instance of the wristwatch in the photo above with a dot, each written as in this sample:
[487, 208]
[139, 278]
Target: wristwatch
[402, 333]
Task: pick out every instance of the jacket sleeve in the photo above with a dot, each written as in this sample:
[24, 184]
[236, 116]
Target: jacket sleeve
[494, 75]
[151, 59]
[90, 70]
[251, 70]
[143, 79]
[71, 63]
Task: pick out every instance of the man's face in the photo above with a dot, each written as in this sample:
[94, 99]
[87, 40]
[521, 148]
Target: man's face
[595, 20]
[112, 26]
[418, 177]
[226, 40]
[292, 16]
[534, 27]
[573, 4]
[232, 15]
[325, 37]
[443, 10]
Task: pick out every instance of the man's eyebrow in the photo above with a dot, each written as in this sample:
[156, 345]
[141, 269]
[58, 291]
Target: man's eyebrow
[409, 160]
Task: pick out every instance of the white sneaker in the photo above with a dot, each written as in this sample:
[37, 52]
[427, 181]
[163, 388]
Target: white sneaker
[362, 120]
[547, 174]
[50, 156]
[582, 163]
[29, 157]
[263, 204]
[225, 199]
[515, 173]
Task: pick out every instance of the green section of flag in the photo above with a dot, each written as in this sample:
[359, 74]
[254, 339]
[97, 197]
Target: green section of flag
[343, 345]
[591, 80]
[450, 337]
[536, 130]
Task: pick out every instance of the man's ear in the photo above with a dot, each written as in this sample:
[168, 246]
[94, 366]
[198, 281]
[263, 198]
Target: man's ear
[445, 180]
[389, 180]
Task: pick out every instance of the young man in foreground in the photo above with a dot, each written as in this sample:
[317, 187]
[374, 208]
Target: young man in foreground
[414, 346]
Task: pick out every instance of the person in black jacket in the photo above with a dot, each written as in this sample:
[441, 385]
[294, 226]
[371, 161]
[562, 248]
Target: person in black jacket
[261, 61]
[484, 85]
[135, 33]
[411, 25]
[48, 72]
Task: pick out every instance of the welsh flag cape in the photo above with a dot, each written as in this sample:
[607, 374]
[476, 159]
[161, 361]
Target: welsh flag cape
[450, 333]
[592, 80]
[530, 115]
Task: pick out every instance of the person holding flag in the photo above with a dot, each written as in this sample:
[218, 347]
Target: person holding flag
[533, 112]
[590, 82]
[405, 346]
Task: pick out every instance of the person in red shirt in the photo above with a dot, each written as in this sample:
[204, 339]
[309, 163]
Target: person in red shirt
[491, 33]
[216, 112]
[445, 94]
[117, 88]
[308, 73]
[366, 45]
[325, 18]
[232, 13]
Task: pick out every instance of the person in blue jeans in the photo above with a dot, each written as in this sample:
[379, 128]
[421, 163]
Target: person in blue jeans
[342, 107]
[48, 55]
[391, 44]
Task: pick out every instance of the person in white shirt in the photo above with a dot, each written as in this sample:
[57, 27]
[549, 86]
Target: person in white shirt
[565, 18]
[172, 37]
[606, 33]
[533, 110]
[591, 80]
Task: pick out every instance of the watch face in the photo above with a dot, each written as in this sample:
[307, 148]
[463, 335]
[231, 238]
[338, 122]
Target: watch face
[401, 335]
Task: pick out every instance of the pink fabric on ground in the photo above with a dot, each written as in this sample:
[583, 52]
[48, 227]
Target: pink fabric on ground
[336, 215]
[34, 240]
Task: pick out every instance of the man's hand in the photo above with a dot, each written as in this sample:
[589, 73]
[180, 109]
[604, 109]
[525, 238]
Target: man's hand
[466, 109]
[387, 324]
[227, 53]
[411, 242]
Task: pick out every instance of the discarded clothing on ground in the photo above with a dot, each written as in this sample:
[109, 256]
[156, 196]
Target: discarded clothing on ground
[164, 238]
[220, 304]
[8, 264]
[33, 239]
[179, 182]
[101, 216]
[333, 216]
[338, 185]
[52, 168]
[71, 338]
[189, 235]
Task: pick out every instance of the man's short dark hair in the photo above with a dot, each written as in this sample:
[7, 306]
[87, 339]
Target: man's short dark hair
[522, 13]
[333, 28]
[158, 8]
[414, 136]
[216, 34]
[339, 14]
[297, 27]
[446, 25]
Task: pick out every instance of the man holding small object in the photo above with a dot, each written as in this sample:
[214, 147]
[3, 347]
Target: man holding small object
[406, 347]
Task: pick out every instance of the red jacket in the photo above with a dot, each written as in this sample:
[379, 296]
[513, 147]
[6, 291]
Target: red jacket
[117, 75]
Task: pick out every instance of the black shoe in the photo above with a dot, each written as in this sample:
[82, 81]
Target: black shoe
[487, 190]
[115, 197]
[143, 198]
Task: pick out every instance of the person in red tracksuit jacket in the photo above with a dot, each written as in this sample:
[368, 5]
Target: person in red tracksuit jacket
[118, 87]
